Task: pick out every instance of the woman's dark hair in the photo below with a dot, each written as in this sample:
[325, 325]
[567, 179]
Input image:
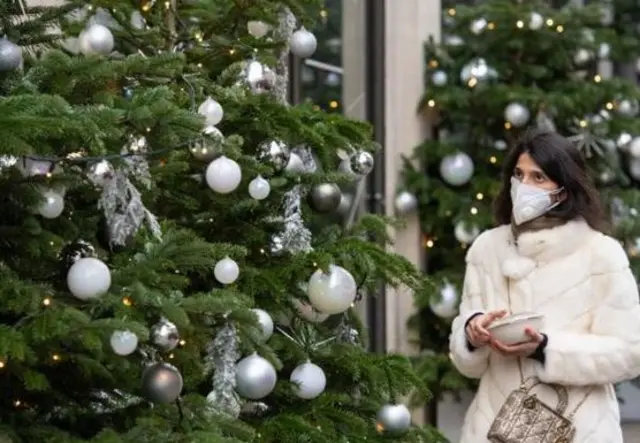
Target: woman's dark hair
[562, 162]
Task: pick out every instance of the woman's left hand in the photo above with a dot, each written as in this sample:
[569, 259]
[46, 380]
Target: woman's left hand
[521, 349]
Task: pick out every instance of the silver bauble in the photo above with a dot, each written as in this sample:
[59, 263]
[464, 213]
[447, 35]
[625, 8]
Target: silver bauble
[161, 383]
[627, 107]
[208, 147]
[96, 39]
[456, 169]
[500, 145]
[255, 377]
[393, 419]
[325, 197]
[362, 163]
[453, 40]
[295, 164]
[479, 70]
[309, 380]
[634, 168]
[623, 141]
[478, 26]
[346, 200]
[536, 21]
[604, 51]
[303, 43]
[634, 147]
[257, 28]
[517, 114]
[165, 335]
[446, 305]
[266, 323]
[10, 55]
[582, 57]
[258, 77]
[274, 153]
[405, 203]
[439, 78]
[465, 234]
[101, 172]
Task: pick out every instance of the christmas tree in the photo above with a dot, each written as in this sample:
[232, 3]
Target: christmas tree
[503, 67]
[168, 273]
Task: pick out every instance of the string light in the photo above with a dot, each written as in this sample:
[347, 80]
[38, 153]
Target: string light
[433, 64]
[473, 210]
[549, 22]
[56, 357]
[333, 104]
[451, 12]
[1, 364]
[126, 300]
[507, 125]
[479, 196]
[491, 26]
[183, 342]
[519, 24]
[560, 28]
[431, 103]
[609, 106]
[597, 78]
[46, 301]
[472, 82]
[493, 159]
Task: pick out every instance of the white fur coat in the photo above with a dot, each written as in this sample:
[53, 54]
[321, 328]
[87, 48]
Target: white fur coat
[581, 281]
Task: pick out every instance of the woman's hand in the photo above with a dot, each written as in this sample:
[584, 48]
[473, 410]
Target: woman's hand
[476, 331]
[521, 349]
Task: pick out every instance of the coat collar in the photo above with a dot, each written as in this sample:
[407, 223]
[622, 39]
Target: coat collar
[539, 247]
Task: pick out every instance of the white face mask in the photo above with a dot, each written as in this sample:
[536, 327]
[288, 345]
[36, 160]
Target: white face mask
[530, 202]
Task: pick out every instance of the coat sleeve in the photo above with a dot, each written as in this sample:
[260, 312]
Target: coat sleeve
[470, 363]
[610, 352]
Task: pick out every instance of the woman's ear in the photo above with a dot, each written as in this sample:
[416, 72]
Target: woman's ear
[561, 196]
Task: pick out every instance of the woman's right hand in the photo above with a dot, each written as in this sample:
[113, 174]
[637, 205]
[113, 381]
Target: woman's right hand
[476, 331]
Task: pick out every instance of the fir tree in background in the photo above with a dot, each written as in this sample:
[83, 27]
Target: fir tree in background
[159, 280]
[505, 66]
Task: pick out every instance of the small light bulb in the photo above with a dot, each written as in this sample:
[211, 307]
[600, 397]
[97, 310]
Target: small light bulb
[507, 125]
[46, 301]
[1, 364]
[479, 196]
[519, 24]
[127, 301]
[597, 78]
[559, 28]
[451, 12]
[549, 22]
[431, 103]
[474, 210]
[55, 357]
[493, 159]
[182, 342]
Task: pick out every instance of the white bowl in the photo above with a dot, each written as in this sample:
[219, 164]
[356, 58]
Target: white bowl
[510, 330]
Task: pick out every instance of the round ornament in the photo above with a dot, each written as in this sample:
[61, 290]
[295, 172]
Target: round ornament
[123, 342]
[303, 43]
[362, 163]
[257, 28]
[478, 26]
[212, 111]
[325, 197]
[295, 164]
[623, 141]
[223, 175]
[332, 292]
[10, 55]
[634, 168]
[136, 20]
[258, 77]
[161, 383]
[96, 39]
[74, 251]
[517, 114]
[255, 377]
[536, 21]
[478, 70]
[465, 235]
[634, 147]
[346, 200]
[165, 335]
[627, 107]
[456, 169]
[447, 304]
[439, 78]
[226, 271]
[208, 147]
[582, 57]
[309, 380]
[88, 278]
[604, 51]
[500, 145]
[405, 203]
[266, 323]
[274, 153]
[393, 419]
[100, 173]
[259, 188]
[52, 205]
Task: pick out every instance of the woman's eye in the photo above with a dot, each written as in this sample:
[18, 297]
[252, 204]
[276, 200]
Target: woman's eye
[517, 174]
[539, 177]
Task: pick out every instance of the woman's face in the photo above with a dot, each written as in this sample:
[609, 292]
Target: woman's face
[528, 172]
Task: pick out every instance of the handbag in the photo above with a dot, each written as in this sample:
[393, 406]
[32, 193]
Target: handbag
[524, 418]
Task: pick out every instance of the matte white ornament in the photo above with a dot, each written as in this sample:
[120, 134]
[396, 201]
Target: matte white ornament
[334, 292]
[255, 377]
[257, 28]
[623, 141]
[96, 39]
[226, 271]
[465, 235]
[393, 419]
[266, 323]
[439, 78]
[212, 111]
[634, 147]
[627, 107]
[223, 175]
[303, 43]
[517, 114]
[123, 342]
[52, 205]
[88, 278]
[405, 203]
[10, 55]
[456, 169]
[447, 304]
[309, 380]
[536, 21]
[259, 188]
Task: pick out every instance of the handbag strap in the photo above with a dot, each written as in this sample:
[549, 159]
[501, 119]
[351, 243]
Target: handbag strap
[521, 371]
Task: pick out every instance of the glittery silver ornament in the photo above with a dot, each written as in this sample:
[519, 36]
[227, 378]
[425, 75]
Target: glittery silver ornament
[96, 39]
[266, 323]
[100, 173]
[161, 383]
[446, 305]
[255, 377]
[439, 78]
[303, 43]
[258, 77]
[208, 147]
[456, 169]
[517, 114]
[362, 163]
[165, 335]
[393, 419]
[325, 197]
[274, 153]
[10, 55]
[405, 203]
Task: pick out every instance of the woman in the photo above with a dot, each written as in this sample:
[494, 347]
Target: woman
[549, 255]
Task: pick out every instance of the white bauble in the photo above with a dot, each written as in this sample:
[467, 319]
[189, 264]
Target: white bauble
[96, 39]
[623, 141]
[212, 111]
[123, 342]
[259, 188]
[223, 175]
[266, 323]
[88, 278]
[393, 419]
[517, 114]
[447, 304]
[255, 377]
[226, 271]
[464, 235]
[536, 21]
[457, 169]
[303, 43]
[634, 147]
[439, 78]
[309, 380]
[405, 203]
[52, 204]
[334, 292]
[257, 28]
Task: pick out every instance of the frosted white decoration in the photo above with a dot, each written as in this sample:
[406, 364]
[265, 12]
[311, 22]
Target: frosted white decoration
[123, 342]
[334, 292]
[464, 234]
[52, 204]
[223, 175]
[88, 278]
[96, 39]
[303, 43]
[266, 323]
[212, 111]
[226, 271]
[259, 188]
[257, 28]
[309, 379]
[447, 305]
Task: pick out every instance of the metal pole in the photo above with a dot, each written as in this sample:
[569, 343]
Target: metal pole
[375, 93]
[295, 80]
